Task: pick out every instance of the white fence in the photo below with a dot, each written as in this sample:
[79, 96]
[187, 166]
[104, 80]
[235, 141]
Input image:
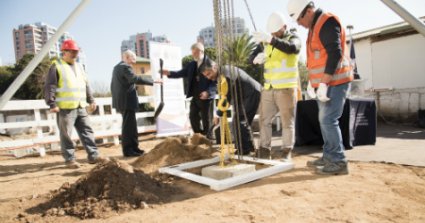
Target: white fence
[44, 128]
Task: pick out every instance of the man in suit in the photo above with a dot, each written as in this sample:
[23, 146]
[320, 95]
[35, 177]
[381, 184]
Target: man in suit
[248, 95]
[125, 101]
[201, 90]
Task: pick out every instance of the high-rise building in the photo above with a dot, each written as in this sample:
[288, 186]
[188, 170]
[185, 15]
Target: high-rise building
[139, 43]
[207, 34]
[30, 38]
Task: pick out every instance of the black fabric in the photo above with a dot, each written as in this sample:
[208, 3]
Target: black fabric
[195, 80]
[357, 123]
[123, 87]
[421, 118]
[129, 135]
[291, 46]
[200, 110]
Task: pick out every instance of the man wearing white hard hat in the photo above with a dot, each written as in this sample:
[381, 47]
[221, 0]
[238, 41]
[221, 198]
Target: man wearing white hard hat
[330, 75]
[280, 59]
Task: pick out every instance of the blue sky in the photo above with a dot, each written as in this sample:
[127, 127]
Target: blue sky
[103, 24]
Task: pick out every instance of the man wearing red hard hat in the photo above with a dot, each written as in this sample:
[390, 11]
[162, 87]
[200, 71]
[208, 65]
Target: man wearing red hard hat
[67, 93]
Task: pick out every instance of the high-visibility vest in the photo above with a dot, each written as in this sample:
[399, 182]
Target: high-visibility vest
[280, 69]
[71, 90]
[317, 56]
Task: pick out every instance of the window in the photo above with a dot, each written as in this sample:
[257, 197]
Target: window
[142, 70]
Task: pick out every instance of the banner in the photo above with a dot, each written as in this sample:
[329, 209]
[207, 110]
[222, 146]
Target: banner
[173, 119]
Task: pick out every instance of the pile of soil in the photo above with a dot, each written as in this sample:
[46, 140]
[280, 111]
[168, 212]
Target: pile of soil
[174, 151]
[110, 187]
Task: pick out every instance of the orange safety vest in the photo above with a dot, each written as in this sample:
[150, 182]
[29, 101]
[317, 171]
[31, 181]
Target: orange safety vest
[317, 56]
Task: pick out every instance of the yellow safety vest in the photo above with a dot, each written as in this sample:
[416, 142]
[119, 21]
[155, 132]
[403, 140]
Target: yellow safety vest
[281, 69]
[71, 90]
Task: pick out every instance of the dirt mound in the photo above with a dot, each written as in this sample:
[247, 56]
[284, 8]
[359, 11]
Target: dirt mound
[110, 187]
[199, 139]
[172, 151]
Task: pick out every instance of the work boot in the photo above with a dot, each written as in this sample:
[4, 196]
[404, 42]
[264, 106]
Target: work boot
[339, 168]
[287, 154]
[99, 159]
[263, 153]
[317, 162]
[276, 154]
[72, 164]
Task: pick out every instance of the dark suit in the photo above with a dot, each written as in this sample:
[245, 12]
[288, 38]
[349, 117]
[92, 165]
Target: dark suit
[125, 101]
[197, 83]
[248, 94]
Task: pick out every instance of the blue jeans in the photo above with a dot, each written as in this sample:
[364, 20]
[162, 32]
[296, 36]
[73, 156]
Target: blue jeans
[67, 119]
[329, 113]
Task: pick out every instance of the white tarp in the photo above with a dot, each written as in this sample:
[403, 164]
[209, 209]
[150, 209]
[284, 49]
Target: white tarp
[173, 119]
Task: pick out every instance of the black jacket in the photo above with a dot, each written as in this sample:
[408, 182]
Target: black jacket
[123, 87]
[245, 84]
[189, 72]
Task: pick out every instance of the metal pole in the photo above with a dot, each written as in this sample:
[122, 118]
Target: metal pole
[404, 14]
[37, 59]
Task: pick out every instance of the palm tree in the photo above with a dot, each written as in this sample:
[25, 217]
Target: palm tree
[238, 51]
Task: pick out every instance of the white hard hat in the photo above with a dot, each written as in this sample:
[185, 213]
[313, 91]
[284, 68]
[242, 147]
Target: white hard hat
[295, 7]
[275, 22]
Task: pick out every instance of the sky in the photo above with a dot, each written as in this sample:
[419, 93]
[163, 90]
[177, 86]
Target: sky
[103, 24]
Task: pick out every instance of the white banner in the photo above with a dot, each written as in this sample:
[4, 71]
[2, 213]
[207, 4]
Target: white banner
[173, 119]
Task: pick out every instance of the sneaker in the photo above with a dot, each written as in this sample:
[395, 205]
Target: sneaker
[263, 153]
[72, 164]
[339, 168]
[99, 159]
[317, 162]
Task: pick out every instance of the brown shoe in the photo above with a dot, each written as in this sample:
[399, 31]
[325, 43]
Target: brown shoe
[72, 164]
[99, 159]
[287, 154]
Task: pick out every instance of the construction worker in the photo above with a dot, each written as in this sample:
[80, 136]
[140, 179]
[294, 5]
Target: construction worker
[330, 75]
[248, 94]
[280, 59]
[126, 102]
[201, 90]
[67, 93]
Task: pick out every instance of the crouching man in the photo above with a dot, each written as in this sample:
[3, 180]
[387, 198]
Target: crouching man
[248, 96]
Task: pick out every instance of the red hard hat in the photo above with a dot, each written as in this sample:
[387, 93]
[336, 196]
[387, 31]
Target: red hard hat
[69, 44]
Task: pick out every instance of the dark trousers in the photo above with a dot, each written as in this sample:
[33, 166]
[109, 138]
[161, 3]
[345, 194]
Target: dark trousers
[251, 107]
[129, 135]
[200, 110]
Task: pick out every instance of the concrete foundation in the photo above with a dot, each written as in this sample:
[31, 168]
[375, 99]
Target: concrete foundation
[218, 173]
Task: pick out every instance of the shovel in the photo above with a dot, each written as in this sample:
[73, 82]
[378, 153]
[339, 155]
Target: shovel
[161, 105]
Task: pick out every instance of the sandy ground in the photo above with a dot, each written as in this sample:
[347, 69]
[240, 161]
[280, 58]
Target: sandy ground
[372, 192]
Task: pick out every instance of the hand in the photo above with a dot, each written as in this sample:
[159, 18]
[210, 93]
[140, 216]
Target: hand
[216, 120]
[204, 95]
[326, 78]
[158, 81]
[262, 37]
[92, 107]
[164, 72]
[322, 92]
[310, 91]
[259, 59]
[55, 109]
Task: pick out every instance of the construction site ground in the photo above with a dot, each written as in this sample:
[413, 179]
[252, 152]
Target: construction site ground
[386, 184]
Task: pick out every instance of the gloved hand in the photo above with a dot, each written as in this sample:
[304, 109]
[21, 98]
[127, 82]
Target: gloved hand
[322, 92]
[262, 37]
[259, 59]
[310, 91]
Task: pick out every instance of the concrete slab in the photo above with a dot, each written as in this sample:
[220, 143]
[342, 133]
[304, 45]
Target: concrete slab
[217, 172]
